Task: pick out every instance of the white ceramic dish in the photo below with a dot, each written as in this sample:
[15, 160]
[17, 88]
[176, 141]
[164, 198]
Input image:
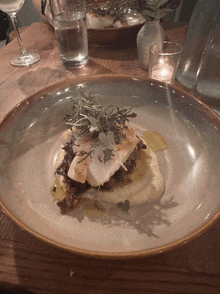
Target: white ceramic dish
[190, 165]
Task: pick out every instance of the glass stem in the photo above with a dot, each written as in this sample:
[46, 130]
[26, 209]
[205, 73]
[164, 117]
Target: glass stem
[14, 22]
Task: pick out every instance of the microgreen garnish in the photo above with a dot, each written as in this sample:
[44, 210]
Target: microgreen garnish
[101, 125]
[87, 154]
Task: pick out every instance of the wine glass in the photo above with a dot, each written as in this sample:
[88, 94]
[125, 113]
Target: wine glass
[11, 7]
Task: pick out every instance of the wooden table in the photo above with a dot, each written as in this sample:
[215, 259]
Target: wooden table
[27, 265]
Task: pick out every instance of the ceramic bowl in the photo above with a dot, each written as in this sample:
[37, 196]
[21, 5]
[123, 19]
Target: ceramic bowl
[190, 166]
[112, 37]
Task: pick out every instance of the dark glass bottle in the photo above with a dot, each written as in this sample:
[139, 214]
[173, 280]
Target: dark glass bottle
[4, 26]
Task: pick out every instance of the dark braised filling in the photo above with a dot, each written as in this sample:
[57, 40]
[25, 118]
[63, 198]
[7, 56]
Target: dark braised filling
[74, 190]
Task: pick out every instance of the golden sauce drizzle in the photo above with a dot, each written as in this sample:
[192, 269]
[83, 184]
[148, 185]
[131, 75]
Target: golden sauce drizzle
[92, 208]
[154, 141]
[57, 191]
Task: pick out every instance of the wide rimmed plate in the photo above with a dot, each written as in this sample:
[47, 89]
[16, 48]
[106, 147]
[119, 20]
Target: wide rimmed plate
[190, 165]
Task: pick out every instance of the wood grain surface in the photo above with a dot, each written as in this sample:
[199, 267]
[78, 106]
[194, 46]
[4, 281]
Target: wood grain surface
[28, 265]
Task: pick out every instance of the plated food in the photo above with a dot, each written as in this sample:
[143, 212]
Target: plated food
[111, 24]
[112, 14]
[100, 153]
[31, 141]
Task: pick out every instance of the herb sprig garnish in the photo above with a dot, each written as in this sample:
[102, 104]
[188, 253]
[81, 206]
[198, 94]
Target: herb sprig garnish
[102, 125]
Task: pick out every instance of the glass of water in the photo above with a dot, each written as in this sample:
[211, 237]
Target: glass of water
[69, 18]
[11, 7]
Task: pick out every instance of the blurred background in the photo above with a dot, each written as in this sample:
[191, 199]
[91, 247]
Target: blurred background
[27, 15]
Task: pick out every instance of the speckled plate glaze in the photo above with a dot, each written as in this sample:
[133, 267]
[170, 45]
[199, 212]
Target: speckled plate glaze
[190, 165]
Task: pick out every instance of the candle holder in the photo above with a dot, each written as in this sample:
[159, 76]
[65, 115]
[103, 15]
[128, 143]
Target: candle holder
[163, 61]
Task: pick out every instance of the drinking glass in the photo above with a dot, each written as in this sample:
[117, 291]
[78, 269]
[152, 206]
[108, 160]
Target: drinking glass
[11, 7]
[163, 61]
[71, 31]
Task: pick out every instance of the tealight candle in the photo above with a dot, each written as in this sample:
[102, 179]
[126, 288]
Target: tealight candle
[162, 72]
[163, 61]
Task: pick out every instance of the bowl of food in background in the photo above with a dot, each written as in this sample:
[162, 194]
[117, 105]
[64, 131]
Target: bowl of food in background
[113, 23]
